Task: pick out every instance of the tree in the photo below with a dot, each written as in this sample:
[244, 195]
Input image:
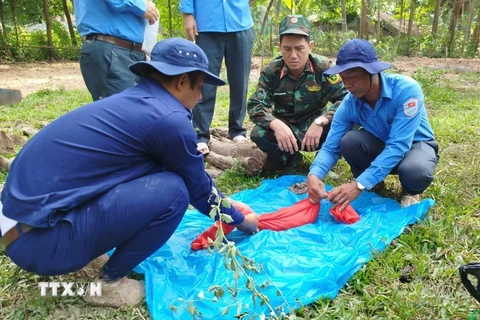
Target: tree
[457, 6]
[476, 34]
[436, 14]
[468, 26]
[344, 17]
[48, 22]
[69, 21]
[377, 30]
[4, 31]
[364, 20]
[410, 24]
[13, 7]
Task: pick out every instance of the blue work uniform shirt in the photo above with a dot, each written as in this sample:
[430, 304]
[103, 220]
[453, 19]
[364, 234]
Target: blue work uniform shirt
[219, 15]
[118, 18]
[398, 119]
[88, 151]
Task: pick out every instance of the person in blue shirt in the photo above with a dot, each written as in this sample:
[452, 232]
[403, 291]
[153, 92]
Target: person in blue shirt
[222, 29]
[113, 33]
[395, 136]
[117, 173]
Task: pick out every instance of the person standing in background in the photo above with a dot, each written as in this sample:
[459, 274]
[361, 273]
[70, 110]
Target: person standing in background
[113, 33]
[222, 29]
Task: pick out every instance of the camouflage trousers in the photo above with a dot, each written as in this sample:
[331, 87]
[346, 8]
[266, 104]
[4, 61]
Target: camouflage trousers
[267, 142]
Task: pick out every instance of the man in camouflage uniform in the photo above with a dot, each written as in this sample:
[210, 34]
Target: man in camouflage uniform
[289, 108]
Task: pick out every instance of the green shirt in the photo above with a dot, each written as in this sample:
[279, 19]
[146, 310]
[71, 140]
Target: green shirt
[295, 102]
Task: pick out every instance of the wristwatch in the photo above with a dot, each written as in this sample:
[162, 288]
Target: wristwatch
[319, 122]
[360, 186]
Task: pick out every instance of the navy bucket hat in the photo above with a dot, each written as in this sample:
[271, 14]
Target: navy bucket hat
[176, 56]
[358, 53]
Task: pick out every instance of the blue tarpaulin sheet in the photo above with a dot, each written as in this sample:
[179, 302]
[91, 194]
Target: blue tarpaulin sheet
[304, 263]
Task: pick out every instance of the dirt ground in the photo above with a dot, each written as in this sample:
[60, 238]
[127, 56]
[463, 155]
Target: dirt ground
[31, 77]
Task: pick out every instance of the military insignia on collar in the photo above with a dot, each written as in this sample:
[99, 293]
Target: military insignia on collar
[334, 79]
[313, 88]
[294, 20]
[410, 108]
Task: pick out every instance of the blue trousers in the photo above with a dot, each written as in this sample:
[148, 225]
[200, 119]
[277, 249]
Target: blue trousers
[415, 171]
[236, 47]
[104, 68]
[136, 218]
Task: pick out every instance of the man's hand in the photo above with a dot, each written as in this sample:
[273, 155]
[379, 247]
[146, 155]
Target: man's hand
[316, 189]
[242, 207]
[285, 137]
[250, 224]
[151, 14]
[343, 195]
[311, 141]
[190, 26]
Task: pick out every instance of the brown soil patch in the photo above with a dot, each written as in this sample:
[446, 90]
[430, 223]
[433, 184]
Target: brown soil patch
[31, 77]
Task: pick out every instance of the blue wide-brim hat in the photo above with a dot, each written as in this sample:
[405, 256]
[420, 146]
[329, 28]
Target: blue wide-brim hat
[358, 53]
[176, 56]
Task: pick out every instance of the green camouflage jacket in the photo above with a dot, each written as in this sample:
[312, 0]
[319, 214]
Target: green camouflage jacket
[295, 102]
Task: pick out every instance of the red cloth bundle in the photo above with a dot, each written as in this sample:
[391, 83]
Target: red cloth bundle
[299, 214]
[347, 215]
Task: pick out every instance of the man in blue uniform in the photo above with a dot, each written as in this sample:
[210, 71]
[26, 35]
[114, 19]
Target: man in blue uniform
[113, 33]
[223, 29]
[395, 135]
[116, 173]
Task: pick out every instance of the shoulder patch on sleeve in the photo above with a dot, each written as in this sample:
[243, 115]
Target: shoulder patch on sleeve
[334, 79]
[410, 108]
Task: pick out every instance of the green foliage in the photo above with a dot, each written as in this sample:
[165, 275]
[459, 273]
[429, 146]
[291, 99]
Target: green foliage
[436, 246]
[33, 46]
[171, 19]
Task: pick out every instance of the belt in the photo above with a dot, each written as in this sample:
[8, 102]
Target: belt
[13, 234]
[116, 41]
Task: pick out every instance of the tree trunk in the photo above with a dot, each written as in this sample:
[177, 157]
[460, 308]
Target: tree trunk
[378, 21]
[262, 29]
[410, 24]
[48, 22]
[344, 16]
[277, 18]
[170, 18]
[8, 53]
[476, 33]
[13, 7]
[400, 25]
[436, 14]
[265, 17]
[457, 5]
[364, 23]
[69, 21]
[468, 27]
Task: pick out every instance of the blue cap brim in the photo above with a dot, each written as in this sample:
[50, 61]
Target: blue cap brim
[372, 68]
[141, 68]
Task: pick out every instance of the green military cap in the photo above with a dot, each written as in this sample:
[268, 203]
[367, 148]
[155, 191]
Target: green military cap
[295, 24]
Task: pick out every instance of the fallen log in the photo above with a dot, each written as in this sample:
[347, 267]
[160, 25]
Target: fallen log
[250, 164]
[242, 149]
[224, 153]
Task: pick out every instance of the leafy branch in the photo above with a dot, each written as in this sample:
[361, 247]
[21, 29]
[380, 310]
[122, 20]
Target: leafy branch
[241, 265]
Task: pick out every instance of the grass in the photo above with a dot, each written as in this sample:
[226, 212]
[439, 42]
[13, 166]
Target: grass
[446, 239]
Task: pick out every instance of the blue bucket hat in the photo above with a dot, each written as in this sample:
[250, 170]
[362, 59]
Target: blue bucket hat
[176, 56]
[358, 53]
